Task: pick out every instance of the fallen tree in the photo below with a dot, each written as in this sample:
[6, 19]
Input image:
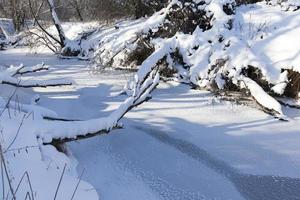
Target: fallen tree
[210, 49]
[39, 129]
[53, 130]
[202, 43]
[58, 132]
[12, 76]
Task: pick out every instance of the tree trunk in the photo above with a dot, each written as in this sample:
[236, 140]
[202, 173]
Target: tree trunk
[57, 24]
[77, 9]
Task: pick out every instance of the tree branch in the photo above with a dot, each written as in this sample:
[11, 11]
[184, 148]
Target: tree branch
[66, 131]
[41, 27]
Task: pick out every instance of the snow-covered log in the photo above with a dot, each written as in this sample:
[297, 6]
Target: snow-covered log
[211, 45]
[262, 98]
[12, 76]
[57, 132]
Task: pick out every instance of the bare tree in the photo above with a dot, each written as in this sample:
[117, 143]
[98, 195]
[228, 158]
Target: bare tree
[67, 47]
[75, 4]
[57, 24]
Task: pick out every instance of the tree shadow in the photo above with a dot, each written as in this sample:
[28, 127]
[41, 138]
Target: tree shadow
[82, 104]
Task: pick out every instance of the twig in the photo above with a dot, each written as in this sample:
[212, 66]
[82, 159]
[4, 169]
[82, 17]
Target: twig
[21, 148]
[19, 128]
[6, 172]
[61, 177]
[29, 183]
[2, 179]
[27, 196]
[60, 119]
[41, 27]
[8, 101]
[36, 84]
[78, 183]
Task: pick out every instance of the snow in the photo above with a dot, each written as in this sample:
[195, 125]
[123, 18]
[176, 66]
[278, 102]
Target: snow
[24, 155]
[182, 144]
[10, 74]
[6, 25]
[159, 154]
[44, 131]
[260, 96]
[261, 36]
[23, 152]
[276, 49]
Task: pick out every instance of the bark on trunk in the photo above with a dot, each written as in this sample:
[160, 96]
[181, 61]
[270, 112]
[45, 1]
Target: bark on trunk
[57, 24]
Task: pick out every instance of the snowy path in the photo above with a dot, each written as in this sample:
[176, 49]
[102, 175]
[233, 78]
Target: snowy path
[183, 144]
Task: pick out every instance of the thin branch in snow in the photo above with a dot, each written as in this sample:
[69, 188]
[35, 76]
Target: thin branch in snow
[61, 177]
[25, 70]
[36, 83]
[40, 26]
[3, 162]
[66, 131]
[18, 131]
[8, 77]
[8, 101]
[79, 180]
[29, 183]
[2, 178]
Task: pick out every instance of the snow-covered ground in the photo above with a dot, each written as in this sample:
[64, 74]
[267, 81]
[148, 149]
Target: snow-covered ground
[185, 145]
[182, 144]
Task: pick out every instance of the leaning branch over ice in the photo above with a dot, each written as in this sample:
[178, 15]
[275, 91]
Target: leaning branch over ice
[56, 132]
[204, 43]
[21, 70]
[10, 76]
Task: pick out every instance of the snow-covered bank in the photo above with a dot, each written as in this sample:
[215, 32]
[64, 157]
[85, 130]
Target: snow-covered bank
[183, 144]
[187, 145]
[25, 155]
[44, 131]
[33, 169]
[244, 48]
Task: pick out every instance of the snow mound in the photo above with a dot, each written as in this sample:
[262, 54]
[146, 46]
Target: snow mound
[254, 41]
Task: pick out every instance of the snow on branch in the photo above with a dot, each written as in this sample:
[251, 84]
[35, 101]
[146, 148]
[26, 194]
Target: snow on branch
[56, 132]
[34, 83]
[60, 131]
[21, 70]
[213, 52]
[10, 76]
[267, 102]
